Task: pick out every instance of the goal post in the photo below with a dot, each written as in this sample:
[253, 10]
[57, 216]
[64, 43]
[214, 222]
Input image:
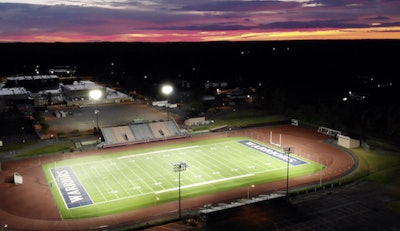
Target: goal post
[271, 141]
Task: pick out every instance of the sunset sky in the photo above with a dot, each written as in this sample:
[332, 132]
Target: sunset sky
[196, 20]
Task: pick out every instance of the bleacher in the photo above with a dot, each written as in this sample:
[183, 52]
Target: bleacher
[160, 130]
[140, 133]
[173, 128]
[329, 131]
[123, 134]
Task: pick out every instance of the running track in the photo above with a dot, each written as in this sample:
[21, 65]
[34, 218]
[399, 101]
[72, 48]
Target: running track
[31, 206]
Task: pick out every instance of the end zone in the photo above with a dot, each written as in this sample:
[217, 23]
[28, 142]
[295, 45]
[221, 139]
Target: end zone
[272, 152]
[70, 187]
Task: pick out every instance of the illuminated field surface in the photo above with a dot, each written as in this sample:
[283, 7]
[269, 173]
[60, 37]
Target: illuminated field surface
[121, 181]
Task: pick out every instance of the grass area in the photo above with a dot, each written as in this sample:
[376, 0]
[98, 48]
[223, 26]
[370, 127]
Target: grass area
[241, 118]
[129, 180]
[377, 165]
[17, 146]
[47, 149]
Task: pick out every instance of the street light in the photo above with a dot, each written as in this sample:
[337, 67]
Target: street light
[96, 95]
[248, 192]
[155, 204]
[167, 90]
[96, 112]
[179, 167]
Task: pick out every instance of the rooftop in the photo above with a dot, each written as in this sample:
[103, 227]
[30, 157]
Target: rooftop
[33, 77]
[13, 91]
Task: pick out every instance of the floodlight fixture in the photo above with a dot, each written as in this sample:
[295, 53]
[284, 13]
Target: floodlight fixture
[167, 89]
[95, 94]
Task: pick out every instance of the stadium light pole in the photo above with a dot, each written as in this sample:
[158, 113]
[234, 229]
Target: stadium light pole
[179, 167]
[167, 90]
[287, 150]
[96, 95]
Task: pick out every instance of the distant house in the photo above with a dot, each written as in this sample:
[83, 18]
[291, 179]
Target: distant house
[208, 85]
[62, 71]
[197, 121]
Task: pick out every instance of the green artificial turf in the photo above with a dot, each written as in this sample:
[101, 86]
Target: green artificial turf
[130, 180]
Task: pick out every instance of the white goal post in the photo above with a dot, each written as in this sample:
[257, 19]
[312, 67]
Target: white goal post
[272, 142]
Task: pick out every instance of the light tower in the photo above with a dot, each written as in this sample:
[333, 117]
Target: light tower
[287, 151]
[180, 167]
[96, 95]
[167, 90]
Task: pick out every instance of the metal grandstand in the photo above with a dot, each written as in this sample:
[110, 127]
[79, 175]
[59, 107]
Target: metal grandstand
[140, 133]
[329, 131]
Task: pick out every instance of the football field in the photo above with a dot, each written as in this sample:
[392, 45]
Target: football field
[104, 184]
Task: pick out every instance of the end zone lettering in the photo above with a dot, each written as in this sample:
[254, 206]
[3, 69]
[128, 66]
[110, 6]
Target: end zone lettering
[71, 189]
[272, 152]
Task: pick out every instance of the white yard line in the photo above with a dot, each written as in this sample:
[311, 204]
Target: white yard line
[116, 180]
[96, 185]
[204, 183]
[149, 153]
[209, 162]
[182, 187]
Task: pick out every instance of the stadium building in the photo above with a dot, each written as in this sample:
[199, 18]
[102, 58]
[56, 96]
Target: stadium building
[33, 83]
[43, 90]
[79, 91]
[11, 97]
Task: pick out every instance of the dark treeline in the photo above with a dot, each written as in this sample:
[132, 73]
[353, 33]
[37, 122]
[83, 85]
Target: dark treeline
[303, 79]
[216, 60]
[312, 67]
